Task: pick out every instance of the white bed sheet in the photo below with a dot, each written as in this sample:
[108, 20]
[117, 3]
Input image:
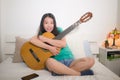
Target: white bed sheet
[14, 71]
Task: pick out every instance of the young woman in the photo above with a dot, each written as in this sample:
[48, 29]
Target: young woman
[62, 62]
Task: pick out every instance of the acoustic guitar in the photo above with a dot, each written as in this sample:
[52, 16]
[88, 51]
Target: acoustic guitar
[35, 56]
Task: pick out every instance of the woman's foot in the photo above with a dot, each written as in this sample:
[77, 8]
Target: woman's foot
[87, 72]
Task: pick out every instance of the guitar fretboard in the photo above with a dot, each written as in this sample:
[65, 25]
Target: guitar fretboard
[66, 31]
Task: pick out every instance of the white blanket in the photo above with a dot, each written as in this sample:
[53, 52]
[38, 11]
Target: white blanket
[14, 71]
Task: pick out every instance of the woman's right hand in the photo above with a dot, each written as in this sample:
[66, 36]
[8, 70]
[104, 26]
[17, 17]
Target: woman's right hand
[54, 50]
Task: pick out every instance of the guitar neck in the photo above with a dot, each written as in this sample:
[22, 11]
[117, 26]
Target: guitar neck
[66, 31]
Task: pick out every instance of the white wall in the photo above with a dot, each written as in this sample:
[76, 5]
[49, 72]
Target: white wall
[20, 17]
[0, 31]
[118, 14]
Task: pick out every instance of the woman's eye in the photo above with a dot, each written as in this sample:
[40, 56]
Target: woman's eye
[46, 23]
[51, 22]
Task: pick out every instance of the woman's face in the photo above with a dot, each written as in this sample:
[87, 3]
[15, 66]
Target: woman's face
[48, 24]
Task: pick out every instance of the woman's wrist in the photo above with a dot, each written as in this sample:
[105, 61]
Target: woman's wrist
[49, 48]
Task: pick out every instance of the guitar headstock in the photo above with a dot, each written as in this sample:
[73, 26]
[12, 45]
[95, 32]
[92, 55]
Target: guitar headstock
[87, 16]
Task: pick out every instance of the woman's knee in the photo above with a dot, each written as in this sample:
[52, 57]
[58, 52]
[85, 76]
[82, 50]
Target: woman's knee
[91, 62]
[49, 61]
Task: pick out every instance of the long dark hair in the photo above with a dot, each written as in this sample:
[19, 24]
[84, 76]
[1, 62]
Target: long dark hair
[41, 27]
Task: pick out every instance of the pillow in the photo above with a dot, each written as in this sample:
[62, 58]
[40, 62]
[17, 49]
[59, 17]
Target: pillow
[19, 42]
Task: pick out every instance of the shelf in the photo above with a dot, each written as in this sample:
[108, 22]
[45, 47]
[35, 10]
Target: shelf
[112, 55]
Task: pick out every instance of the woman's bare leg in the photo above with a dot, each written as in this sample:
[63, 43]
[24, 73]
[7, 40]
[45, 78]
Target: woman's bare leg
[82, 64]
[60, 68]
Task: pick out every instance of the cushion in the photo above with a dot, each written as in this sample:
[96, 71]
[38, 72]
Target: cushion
[19, 42]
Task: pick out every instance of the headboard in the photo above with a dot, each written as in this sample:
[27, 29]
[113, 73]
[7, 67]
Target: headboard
[9, 45]
[76, 45]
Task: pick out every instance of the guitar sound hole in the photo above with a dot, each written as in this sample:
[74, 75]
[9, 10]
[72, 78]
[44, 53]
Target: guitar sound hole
[34, 55]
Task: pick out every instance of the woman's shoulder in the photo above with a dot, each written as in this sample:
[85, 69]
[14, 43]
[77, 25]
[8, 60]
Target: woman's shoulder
[59, 29]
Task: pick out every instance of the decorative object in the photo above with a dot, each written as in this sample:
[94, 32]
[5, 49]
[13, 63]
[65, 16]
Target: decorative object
[113, 39]
[106, 44]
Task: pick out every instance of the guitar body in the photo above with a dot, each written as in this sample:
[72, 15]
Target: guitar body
[41, 54]
[35, 56]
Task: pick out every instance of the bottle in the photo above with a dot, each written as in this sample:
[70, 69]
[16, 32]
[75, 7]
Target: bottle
[106, 44]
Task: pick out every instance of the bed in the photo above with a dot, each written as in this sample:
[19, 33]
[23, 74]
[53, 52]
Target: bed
[13, 68]
[14, 71]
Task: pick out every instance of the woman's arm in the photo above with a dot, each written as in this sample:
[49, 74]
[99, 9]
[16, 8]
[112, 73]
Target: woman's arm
[34, 40]
[58, 43]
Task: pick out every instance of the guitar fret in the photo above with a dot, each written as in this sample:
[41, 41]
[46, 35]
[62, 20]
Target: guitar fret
[69, 29]
[76, 24]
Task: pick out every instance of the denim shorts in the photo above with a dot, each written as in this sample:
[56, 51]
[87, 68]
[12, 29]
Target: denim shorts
[66, 62]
